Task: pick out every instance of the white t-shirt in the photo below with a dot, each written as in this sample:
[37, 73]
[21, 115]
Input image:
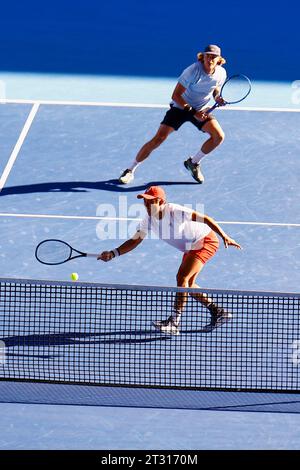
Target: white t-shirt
[200, 85]
[176, 228]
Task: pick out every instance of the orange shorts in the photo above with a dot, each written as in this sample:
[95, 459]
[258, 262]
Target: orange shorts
[210, 246]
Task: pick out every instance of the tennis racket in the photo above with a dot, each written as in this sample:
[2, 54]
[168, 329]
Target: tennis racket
[235, 89]
[54, 252]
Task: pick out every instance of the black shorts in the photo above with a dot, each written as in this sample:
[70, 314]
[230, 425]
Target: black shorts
[175, 117]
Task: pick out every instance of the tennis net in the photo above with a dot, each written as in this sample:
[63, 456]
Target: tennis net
[96, 334]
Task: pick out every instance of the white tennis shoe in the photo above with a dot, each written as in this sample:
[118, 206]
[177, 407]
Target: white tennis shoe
[168, 326]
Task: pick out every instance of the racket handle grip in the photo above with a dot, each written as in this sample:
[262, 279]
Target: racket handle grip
[212, 108]
[92, 255]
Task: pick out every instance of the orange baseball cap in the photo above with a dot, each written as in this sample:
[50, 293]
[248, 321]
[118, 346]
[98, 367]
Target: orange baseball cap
[152, 193]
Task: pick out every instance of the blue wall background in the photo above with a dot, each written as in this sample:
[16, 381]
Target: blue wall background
[149, 38]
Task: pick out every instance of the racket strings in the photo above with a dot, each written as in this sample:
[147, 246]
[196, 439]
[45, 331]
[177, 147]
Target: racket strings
[53, 252]
[236, 89]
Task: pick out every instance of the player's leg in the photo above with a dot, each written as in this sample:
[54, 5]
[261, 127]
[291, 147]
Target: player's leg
[208, 250]
[172, 121]
[217, 313]
[210, 246]
[217, 136]
[160, 136]
[188, 271]
[199, 296]
[189, 268]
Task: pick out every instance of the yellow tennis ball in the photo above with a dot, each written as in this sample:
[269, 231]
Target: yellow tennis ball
[74, 277]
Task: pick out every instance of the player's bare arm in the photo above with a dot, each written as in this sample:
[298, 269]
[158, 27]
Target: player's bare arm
[218, 98]
[126, 247]
[177, 96]
[228, 241]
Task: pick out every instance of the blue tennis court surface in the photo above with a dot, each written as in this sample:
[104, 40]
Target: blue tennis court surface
[62, 183]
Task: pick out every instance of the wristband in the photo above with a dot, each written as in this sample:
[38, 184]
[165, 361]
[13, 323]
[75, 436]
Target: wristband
[115, 252]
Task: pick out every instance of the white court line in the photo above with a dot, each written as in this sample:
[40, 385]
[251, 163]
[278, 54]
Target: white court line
[75, 217]
[118, 219]
[143, 105]
[18, 145]
[87, 103]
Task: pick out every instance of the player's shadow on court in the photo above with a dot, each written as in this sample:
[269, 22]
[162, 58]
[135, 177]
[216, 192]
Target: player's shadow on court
[79, 339]
[112, 185]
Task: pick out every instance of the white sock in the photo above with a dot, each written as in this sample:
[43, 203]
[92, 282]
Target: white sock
[134, 166]
[198, 156]
[176, 317]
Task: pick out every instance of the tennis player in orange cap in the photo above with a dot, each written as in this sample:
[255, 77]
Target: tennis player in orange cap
[192, 233]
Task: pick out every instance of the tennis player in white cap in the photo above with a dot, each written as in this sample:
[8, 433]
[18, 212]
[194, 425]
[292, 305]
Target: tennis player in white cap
[190, 232]
[196, 86]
